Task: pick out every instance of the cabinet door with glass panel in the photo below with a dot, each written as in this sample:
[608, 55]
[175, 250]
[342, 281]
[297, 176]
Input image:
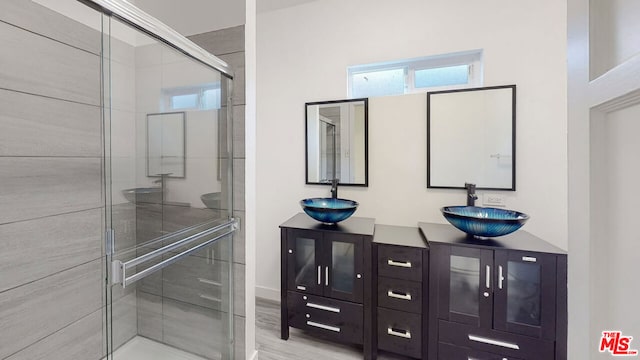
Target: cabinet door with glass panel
[525, 293]
[325, 263]
[507, 290]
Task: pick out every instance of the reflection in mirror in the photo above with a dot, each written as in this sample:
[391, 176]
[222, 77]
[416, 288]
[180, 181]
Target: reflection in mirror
[471, 138]
[166, 144]
[336, 142]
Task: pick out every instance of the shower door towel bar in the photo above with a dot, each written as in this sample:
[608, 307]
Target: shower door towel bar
[120, 269]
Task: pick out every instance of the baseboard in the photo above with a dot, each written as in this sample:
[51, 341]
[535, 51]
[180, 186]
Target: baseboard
[268, 293]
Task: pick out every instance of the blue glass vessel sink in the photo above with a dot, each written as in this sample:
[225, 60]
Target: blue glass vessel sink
[484, 221]
[329, 210]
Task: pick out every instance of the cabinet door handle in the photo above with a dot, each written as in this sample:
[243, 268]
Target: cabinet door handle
[323, 307]
[323, 326]
[319, 275]
[402, 296]
[488, 277]
[500, 277]
[404, 264]
[399, 333]
[494, 342]
[326, 276]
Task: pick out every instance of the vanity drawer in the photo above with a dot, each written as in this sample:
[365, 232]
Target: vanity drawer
[400, 332]
[400, 262]
[335, 319]
[452, 352]
[505, 344]
[399, 294]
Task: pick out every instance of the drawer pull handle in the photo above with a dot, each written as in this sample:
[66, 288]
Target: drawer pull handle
[404, 264]
[399, 333]
[401, 296]
[209, 282]
[323, 307]
[319, 274]
[323, 326]
[300, 287]
[494, 342]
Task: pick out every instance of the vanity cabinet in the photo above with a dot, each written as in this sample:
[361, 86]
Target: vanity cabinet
[401, 259]
[326, 279]
[500, 298]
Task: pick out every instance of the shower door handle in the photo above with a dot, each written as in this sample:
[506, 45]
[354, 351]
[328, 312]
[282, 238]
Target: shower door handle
[119, 268]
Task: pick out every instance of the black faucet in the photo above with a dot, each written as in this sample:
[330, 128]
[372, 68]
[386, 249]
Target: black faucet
[471, 194]
[334, 188]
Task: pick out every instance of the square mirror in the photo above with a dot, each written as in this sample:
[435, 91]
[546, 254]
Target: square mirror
[471, 138]
[166, 145]
[336, 142]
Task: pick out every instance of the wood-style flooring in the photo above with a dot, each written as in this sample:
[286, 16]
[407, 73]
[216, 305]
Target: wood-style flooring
[300, 346]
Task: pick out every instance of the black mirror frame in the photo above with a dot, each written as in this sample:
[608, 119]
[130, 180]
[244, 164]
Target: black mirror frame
[513, 137]
[366, 142]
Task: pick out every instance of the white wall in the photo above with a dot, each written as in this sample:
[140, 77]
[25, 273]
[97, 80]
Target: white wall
[614, 147]
[301, 58]
[303, 53]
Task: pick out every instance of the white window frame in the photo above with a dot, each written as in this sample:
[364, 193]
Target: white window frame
[472, 58]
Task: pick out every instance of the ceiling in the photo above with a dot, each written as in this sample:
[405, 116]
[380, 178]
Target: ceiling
[191, 17]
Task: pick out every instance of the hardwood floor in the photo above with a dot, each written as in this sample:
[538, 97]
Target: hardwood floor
[300, 346]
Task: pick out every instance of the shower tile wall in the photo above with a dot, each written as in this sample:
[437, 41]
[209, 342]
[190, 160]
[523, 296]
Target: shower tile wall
[228, 45]
[51, 207]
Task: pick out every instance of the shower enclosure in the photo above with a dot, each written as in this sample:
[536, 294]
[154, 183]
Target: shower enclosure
[116, 202]
[168, 191]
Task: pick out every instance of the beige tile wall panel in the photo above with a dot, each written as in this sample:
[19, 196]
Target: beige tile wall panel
[32, 250]
[41, 20]
[36, 126]
[239, 239]
[238, 184]
[37, 65]
[236, 61]
[38, 187]
[124, 319]
[221, 42]
[51, 303]
[198, 280]
[150, 316]
[82, 340]
[238, 131]
[239, 271]
[239, 328]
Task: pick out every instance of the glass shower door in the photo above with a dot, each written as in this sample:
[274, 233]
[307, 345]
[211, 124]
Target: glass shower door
[168, 189]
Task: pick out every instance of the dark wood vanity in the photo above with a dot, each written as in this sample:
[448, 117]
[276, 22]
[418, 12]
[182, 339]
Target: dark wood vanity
[499, 298]
[427, 292]
[327, 279]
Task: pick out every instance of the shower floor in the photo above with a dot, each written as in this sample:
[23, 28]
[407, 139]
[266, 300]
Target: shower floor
[140, 348]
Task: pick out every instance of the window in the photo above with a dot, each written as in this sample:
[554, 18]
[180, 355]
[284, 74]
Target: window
[451, 71]
[204, 97]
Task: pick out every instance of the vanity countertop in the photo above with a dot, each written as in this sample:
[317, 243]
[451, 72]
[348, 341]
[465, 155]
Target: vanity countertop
[399, 235]
[352, 225]
[519, 240]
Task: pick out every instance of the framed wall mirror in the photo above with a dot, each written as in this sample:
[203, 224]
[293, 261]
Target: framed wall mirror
[337, 142]
[166, 145]
[471, 138]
